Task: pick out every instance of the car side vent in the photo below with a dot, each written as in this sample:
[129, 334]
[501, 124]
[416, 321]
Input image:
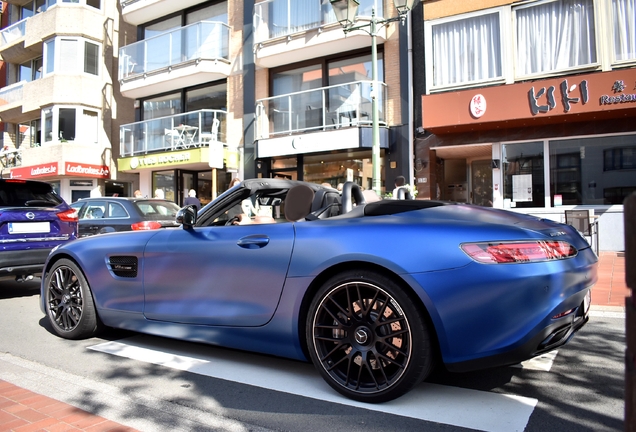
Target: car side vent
[123, 266]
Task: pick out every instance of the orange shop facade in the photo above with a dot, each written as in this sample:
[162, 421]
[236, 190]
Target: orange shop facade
[539, 147]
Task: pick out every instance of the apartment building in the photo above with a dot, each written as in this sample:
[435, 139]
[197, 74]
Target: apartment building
[273, 88]
[529, 106]
[61, 107]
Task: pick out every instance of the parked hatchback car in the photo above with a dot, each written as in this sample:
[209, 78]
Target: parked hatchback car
[33, 220]
[112, 214]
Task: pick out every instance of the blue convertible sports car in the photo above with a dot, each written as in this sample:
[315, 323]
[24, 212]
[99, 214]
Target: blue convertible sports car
[373, 293]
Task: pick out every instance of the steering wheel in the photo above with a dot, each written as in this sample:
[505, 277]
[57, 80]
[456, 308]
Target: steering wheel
[233, 219]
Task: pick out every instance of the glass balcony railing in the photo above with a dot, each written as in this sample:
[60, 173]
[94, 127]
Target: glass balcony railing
[176, 132]
[13, 32]
[11, 93]
[10, 158]
[280, 18]
[326, 108]
[207, 40]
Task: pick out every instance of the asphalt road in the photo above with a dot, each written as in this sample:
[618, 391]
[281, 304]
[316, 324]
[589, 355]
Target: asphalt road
[155, 384]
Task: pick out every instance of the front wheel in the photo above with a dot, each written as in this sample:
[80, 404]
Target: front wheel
[367, 338]
[68, 301]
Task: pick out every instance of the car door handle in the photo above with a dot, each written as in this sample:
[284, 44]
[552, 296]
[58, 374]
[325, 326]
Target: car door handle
[253, 241]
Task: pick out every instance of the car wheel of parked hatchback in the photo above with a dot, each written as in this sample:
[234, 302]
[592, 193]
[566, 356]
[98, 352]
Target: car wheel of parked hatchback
[367, 338]
[69, 303]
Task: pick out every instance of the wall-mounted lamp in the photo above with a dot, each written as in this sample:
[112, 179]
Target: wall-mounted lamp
[495, 163]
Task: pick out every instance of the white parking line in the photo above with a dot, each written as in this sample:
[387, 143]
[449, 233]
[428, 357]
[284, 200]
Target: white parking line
[539, 363]
[430, 402]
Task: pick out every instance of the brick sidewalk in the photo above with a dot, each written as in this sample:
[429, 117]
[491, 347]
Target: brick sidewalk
[24, 411]
[611, 288]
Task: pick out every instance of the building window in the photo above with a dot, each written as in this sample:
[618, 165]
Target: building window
[91, 57]
[31, 70]
[63, 124]
[619, 158]
[555, 36]
[29, 134]
[580, 179]
[624, 29]
[523, 180]
[71, 55]
[467, 50]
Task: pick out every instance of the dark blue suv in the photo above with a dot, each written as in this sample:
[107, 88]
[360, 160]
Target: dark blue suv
[33, 220]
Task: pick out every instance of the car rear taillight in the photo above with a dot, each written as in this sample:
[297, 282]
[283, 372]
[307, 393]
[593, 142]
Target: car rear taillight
[518, 252]
[145, 225]
[68, 215]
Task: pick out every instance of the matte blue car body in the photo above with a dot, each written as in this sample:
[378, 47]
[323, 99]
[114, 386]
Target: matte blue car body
[262, 273]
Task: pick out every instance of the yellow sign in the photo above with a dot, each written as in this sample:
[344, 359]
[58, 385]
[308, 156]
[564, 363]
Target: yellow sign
[159, 160]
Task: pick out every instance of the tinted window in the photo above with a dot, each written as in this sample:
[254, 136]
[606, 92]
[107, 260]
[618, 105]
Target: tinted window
[157, 209]
[22, 193]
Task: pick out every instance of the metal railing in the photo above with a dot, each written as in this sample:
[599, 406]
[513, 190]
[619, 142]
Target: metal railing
[175, 132]
[207, 40]
[279, 18]
[325, 108]
[13, 32]
[11, 93]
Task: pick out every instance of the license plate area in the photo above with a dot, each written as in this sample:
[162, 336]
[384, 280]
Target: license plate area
[29, 227]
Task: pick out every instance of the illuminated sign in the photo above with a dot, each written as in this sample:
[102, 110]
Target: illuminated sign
[85, 170]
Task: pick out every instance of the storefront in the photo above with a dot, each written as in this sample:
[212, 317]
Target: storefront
[323, 157]
[207, 170]
[72, 180]
[538, 147]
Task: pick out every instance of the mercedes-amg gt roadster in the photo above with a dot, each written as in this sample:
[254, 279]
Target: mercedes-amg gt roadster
[374, 292]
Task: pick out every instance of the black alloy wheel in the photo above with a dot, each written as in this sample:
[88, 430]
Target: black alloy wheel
[69, 304]
[367, 338]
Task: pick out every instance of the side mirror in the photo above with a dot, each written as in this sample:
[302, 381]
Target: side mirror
[187, 216]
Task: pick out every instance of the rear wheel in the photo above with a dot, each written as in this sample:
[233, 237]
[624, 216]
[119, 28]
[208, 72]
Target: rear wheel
[69, 303]
[367, 338]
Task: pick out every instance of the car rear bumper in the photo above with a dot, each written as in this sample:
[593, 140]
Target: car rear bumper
[556, 333]
[23, 262]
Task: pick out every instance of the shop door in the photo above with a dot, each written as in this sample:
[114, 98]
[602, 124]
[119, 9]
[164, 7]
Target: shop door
[481, 183]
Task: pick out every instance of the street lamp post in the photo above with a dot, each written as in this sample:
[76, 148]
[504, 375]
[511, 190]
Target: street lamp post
[346, 12]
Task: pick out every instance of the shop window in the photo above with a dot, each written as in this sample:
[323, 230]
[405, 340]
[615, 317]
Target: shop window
[524, 184]
[619, 158]
[578, 176]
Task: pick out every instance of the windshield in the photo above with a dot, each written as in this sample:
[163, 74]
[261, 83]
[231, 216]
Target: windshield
[27, 194]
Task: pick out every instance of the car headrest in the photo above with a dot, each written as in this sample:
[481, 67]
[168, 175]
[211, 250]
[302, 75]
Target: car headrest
[298, 202]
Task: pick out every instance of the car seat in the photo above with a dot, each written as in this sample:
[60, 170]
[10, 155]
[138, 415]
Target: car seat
[298, 202]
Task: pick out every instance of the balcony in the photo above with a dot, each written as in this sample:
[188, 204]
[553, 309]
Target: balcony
[326, 108]
[336, 113]
[191, 55]
[289, 31]
[11, 101]
[63, 152]
[24, 100]
[23, 40]
[10, 158]
[172, 133]
[142, 11]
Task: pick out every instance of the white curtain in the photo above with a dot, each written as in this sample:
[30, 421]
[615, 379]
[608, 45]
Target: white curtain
[624, 27]
[467, 50]
[555, 36]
